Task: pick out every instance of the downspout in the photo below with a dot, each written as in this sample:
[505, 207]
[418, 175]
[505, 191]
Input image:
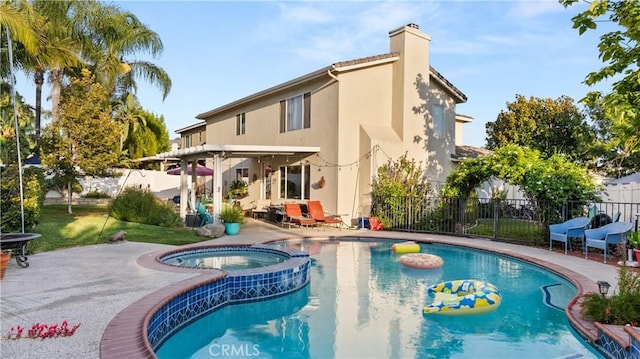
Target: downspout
[332, 75]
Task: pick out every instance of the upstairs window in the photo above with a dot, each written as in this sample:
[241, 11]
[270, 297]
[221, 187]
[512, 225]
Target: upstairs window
[295, 113]
[240, 124]
[437, 113]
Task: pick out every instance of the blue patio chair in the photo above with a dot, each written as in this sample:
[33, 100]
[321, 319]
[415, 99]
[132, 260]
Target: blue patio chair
[593, 210]
[616, 217]
[205, 216]
[603, 237]
[563, 232]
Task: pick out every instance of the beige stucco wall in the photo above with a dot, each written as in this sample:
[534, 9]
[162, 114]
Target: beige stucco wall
[361, 117]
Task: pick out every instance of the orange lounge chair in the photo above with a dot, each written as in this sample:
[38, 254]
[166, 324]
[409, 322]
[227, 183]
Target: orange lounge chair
[293, 214]
[317, 213]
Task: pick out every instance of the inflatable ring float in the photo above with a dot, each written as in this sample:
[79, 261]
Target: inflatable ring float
[405, 247]
[421, 260]
[463, 297]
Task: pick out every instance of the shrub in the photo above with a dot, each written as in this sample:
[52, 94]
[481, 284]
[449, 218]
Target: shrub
[620, 309]
[142, 206]
[398, 189]
[96, 194]
[33, 191]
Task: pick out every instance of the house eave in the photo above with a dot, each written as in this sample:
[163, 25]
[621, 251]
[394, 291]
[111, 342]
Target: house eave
[272, 90]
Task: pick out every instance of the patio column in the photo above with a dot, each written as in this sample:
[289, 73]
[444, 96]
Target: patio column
[184, 192]
[194, 183]
[217, 187]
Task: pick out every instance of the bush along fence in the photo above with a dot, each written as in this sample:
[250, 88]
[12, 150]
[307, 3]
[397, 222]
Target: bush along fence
[520, 221]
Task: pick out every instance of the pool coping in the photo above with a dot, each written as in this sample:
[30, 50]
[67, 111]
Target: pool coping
[126, 333]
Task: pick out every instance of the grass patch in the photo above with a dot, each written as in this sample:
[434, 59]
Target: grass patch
[89, 225]
[516, 230]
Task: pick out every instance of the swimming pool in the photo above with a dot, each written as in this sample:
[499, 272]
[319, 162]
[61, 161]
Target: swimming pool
[362, 303]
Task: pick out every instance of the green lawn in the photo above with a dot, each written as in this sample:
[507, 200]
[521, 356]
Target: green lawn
[516, 230]
[90, 225]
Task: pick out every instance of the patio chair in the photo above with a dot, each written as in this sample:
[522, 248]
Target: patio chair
[319, 215]
[261, 208]
[605, 236]
[563, 232]
[205, 216]
[616, 217]
[293, 215]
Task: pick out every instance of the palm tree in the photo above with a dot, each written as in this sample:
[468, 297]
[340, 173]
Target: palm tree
[7, 126]
[18, 16]
[115, 35]
[129, 114]
[57, 50]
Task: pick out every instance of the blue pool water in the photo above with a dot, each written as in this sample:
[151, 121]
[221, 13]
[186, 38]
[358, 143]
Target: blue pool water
[362, 303]
[225, 260]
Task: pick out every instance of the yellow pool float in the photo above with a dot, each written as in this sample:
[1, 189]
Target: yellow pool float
[463, 297]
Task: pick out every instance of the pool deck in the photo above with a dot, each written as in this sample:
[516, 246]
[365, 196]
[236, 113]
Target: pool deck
[91, 285]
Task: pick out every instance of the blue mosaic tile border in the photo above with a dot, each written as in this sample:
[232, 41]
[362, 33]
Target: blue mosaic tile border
[612, 348]
[238, 286]
[634, 348]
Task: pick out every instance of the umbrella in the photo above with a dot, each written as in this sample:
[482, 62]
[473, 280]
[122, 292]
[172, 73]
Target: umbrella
[200, 171]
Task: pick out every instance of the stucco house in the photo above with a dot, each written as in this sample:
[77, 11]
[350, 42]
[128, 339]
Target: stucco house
[323, 135]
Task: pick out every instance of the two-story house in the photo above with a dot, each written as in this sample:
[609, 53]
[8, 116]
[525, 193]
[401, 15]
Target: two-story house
[323, 135]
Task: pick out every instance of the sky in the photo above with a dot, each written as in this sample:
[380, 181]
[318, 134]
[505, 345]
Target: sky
[217, 52]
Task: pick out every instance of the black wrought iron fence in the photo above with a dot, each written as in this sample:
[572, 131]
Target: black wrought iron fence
[508, 220]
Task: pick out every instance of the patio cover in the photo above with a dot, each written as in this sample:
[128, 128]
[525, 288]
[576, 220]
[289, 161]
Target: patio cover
[219, 153]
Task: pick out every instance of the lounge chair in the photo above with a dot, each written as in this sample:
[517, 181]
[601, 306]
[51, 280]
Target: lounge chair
[205, 216]
[563, 232]
[293, 215]
[603, 237]
[319, 215]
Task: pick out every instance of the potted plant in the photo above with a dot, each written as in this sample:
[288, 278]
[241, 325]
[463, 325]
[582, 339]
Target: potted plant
[633, 238]
[232, 218]
[238, 189]
[5, 257]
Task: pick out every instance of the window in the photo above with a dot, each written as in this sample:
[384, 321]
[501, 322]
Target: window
[295, 113]
[240, 124]
[295, 182]
[437, 113]
[187, 141]
[242, 174]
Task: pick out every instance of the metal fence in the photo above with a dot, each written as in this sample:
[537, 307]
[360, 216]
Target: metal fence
[507, 220]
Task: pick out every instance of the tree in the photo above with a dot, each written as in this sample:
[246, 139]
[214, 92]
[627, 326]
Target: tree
[85, 140]
[619, 51]
[148, 140]
[398, 185]
[114, 36]
[548, 125]
[606, 149]
[129, 115]
[57, 50]
[19, 17]
[546, 181]
[8, 153]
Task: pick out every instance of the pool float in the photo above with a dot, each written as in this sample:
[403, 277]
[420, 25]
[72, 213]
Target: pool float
[463, 297]
[405, 247]
[421, 260]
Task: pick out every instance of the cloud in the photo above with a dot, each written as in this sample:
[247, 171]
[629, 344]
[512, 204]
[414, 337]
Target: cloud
[530, 9]
[337, 31]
